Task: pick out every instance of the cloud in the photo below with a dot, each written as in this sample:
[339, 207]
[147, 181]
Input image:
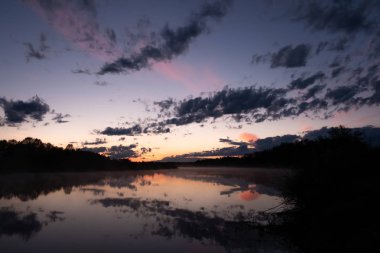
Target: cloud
[95, 150]
[302, 83]
[145, 150]
[337, 16]
[136, 129]
[81, 71]
[97, 141]
[117, 152]
[19, 111]
[248, 137]
[76, 20]
[228, 151]
[231, 142]
[60, 118]
[130, 131]
[170, 42]
[37, 52]
[271, 142]
[313, 91]
[290, 57]
[314, 98]
[122, 152]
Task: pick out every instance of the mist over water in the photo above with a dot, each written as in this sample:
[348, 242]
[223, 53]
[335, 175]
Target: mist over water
[185, 210]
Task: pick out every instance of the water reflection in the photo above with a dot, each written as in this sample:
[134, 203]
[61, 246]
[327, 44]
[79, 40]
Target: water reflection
[190, 209]
[14, 223]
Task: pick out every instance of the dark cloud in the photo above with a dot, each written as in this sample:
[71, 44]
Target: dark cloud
[19, 111]
[290, 57]
[95, 150]
[97, 141]
[37, 52]
[302, 83]
[315, 98]
[170, 42]
[165, 105]
[337, 16]
[122, 152]
[81, 71]
[232, 142]
[117, 152]
[337, 71]
[228, 151]
[339, 44]
[145, 150]
[230, 101]
[60, 118]
[129, 131]
[344, 95]
[136, 129]
[271, 142]
[313, 91]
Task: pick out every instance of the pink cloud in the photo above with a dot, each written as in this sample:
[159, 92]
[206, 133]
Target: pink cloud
[247, 137]
[77, 23]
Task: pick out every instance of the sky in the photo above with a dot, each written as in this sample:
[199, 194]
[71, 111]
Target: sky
[176, 80]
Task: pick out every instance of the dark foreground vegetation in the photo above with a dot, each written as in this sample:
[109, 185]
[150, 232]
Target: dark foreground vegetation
[32, 155]
[334, 192]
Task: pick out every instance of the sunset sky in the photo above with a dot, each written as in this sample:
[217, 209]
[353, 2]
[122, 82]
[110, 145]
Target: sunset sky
[147, 79]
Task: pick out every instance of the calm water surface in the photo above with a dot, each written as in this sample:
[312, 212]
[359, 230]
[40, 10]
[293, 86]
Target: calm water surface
[184, 210]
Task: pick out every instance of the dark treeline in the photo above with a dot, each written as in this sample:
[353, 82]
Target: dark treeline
[325, 151]
[332, 192]
[32, 155]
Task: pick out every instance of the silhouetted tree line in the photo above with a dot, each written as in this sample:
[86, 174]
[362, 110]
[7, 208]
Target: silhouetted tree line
[32, 155]
[333, 190]
[341, 148]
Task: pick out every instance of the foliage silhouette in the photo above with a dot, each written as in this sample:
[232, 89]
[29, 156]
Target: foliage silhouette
[32, 155]
[333, 192]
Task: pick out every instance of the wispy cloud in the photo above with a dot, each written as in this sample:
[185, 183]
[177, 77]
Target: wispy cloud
[170, 42]
[77, 21]
[60, 117]
[97, 141]
[37, 52]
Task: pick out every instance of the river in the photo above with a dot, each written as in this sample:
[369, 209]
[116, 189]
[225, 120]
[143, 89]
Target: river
[190, 209]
